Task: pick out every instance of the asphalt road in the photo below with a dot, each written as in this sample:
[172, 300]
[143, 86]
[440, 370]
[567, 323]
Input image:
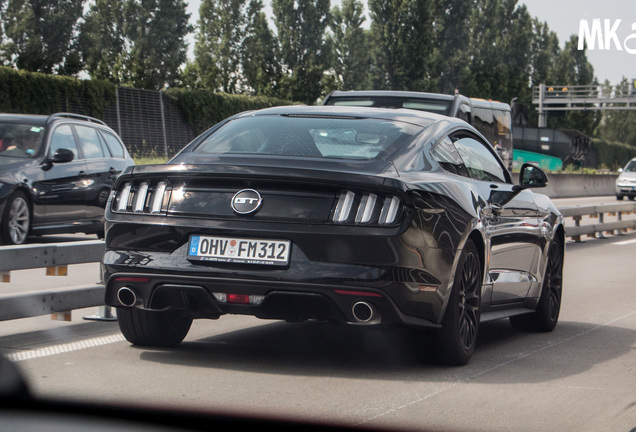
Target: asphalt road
[581, 377]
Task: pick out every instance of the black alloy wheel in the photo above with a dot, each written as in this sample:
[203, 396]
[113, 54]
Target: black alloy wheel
[16, 221]
[455, 342]
[546, 316]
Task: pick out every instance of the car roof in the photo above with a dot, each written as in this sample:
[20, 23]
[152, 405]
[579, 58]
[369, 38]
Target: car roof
[41, 120]
[419, 118]
[392, 93]
[35, 119]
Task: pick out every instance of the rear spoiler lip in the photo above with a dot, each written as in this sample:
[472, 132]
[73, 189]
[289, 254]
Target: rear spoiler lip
[375, 175]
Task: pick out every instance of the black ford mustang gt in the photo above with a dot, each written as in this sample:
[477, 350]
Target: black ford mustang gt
[348, 215]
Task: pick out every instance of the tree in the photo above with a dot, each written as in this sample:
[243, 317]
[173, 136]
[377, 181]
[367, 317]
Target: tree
[218, 44]
[571, 67]
[2, 13]
[259, 61]
[156, 30]
[452, 29]
[502, 33]
[41, 35]
[402, 35]
[301, 26]
[543, 52]
[103, 42]
[618, 125]
[350, 42]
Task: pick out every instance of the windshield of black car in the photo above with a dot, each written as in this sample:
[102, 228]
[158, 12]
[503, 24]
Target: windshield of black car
[20, 140]
[309, 136]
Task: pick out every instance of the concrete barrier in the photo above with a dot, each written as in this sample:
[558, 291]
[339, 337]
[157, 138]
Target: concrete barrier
[579, 185]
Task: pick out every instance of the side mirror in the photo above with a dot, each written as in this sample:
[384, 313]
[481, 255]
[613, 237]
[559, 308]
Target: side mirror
[531, 176]
[62, 155]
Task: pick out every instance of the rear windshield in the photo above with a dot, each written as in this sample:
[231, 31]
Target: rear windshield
[421, 104]
[20, 140]
[308, 136]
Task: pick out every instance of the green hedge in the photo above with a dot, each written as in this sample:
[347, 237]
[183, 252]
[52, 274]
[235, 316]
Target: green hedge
[36, 93]
[204, 108]
[611, 154]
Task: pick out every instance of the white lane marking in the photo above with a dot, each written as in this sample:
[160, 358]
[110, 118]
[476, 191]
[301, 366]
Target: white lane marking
[64, 348]
[492, 368]
[625, 242]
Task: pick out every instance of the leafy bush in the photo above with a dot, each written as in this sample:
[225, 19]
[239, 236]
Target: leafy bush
[204, 108]
[37, 93]
[612, 154]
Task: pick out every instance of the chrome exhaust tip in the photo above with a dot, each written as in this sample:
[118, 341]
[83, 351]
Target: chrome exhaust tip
[364, 312]
[127, 297]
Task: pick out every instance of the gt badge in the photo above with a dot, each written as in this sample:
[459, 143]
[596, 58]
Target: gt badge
[246, 201]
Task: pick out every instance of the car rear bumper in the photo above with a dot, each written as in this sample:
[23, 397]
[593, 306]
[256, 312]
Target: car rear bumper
[214, 297]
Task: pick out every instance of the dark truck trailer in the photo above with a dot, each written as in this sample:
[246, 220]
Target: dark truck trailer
[571, 146]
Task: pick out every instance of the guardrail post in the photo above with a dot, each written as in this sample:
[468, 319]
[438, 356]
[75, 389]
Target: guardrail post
[577, 223]
[619, 231]
[601, 221]
[104, 313]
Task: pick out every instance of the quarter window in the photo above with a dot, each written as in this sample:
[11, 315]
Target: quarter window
[115, 147]
[445, 153]
[479, 160]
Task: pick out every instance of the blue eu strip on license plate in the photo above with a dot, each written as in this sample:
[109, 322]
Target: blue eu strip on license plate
[239, 250]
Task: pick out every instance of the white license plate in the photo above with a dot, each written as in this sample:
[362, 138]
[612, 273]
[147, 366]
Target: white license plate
[239, 250]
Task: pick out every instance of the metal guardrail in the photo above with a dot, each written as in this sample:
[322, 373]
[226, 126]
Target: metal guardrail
[24, 305]
[55, 258]
[600, 211]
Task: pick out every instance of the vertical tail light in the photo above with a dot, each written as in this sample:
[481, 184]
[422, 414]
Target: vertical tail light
[366, 208]
[144, 197]
[389, 210]
[343, 208]
[157, 199]
[124, 195]
[140, 198]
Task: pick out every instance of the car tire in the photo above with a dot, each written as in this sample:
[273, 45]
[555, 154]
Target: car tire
[16, 220]
[152, 328]
[619, 197]
[546, 315]
[455, 342]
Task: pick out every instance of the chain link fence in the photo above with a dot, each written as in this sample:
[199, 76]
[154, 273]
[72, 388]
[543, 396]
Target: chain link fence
[149, 124]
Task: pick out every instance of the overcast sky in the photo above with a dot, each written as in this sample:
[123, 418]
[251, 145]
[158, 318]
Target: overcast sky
[564, 17]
